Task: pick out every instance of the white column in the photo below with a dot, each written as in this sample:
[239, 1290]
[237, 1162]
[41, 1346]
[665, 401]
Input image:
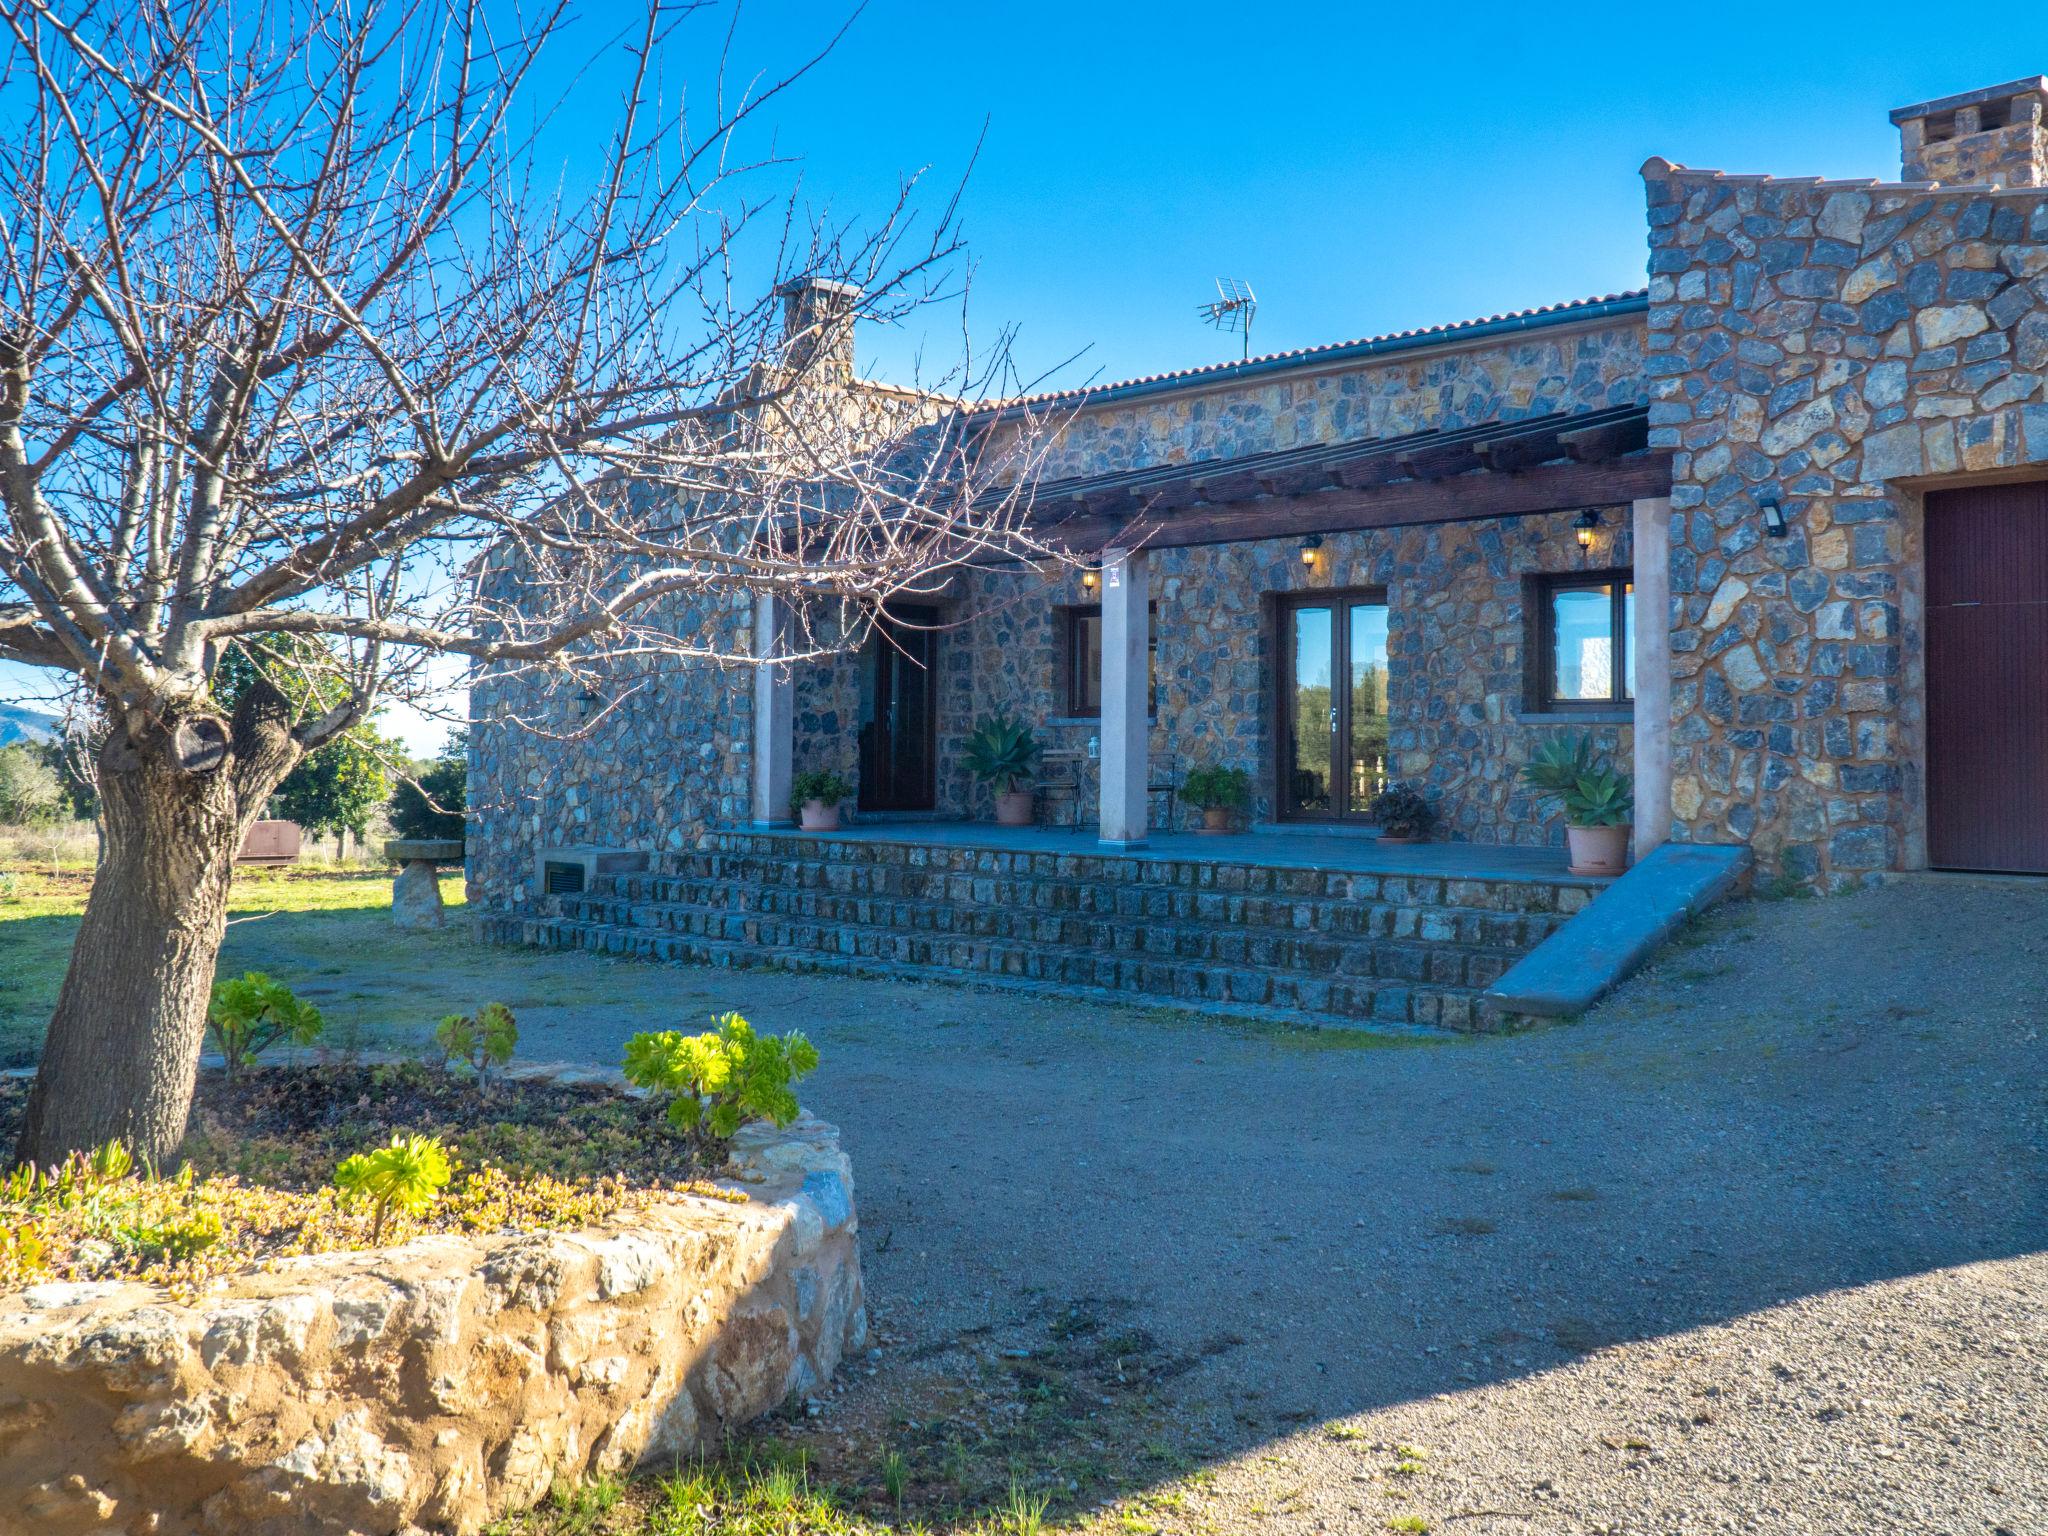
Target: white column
[1652, 642]
[774, 742]
[1126, 696]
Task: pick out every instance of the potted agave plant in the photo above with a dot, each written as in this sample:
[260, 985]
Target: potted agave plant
[1218, 793]
[1597, 798]
[1003, 754]
[1401, 814]
[815, 797]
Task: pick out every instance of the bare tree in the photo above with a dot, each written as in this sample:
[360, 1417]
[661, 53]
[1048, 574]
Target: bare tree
[296, 325]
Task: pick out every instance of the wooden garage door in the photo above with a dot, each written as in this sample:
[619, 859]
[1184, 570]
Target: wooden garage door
[1987, 678]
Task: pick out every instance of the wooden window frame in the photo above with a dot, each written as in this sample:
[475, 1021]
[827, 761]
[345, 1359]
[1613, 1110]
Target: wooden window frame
[1541, 593]
[1071, 654]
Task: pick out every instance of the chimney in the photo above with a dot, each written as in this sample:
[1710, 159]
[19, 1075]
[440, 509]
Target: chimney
[817, 325]
[1998, 134]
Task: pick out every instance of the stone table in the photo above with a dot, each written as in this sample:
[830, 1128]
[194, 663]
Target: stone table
[416, 893]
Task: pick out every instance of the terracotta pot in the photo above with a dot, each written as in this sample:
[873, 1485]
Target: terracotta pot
[1599, 850]
[1399, 837]
[1013, 808]
[817, 816]
[1216, 818]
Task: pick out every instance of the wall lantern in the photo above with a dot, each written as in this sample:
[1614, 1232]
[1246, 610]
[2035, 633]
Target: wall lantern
[1773, 514]
[1309, 546]
[1091, 576]
[1583, 526]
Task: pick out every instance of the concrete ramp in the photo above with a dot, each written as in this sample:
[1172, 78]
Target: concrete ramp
[1574, 968]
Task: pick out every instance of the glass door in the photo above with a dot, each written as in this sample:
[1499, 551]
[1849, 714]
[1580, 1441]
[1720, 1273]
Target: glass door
[1333, 725]
[898, 720]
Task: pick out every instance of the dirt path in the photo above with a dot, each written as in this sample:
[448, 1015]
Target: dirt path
[1757, 1246]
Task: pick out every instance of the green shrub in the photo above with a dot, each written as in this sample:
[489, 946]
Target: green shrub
[430, 809]
[1213, 787]
[1002, 753]
[828, 789]
[484, 1039]
[405, 1176]
[721, 1080]
[1592, 793]
[250, 1013]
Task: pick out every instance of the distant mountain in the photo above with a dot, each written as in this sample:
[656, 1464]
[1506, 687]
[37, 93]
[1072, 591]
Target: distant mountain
[18, 723]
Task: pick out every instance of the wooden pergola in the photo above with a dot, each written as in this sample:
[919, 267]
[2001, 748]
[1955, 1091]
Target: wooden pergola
[1556, 463]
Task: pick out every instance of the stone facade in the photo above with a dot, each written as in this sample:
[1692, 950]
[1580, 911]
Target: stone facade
[665, 757]
[1456, 633]
[439, 1384]
[1842, 345]
[649, 760]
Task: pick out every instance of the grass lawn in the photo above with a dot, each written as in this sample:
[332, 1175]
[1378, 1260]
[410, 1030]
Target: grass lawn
[327, 933]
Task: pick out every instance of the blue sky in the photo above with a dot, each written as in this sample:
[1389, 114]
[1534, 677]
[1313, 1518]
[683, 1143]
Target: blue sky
[1367, 168]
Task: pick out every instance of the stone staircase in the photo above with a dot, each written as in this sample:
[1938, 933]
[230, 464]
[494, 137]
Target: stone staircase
[1215, 935]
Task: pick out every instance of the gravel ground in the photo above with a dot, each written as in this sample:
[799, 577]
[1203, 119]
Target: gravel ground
[1757, 1245]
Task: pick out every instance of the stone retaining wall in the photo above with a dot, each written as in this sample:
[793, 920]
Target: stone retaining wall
[434, 1385]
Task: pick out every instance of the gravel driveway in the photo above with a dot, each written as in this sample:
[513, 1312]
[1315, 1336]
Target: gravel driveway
[1758, 1245]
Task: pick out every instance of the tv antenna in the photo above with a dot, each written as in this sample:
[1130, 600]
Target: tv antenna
[1233, 309]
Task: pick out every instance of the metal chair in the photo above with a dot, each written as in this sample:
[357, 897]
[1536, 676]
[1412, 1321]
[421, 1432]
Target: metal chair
[1060, 775]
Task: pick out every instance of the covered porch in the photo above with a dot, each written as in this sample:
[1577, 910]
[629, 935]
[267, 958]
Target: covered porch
[1426, 572]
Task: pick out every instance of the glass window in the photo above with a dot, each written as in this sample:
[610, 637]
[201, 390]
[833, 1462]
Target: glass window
[1083, 646]
[1586, 642]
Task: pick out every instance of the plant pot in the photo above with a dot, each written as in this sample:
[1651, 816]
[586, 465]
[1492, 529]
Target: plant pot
[1013, 807]
[1599, 850]
[1215, 820]
[1399, 837]
[817, 816]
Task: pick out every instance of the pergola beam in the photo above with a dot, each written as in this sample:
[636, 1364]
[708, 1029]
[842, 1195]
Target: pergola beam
[1564, 487]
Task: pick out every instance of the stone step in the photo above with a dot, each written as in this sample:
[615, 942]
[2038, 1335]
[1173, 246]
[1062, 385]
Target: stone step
[960, 931]
[978, 874]
[1246, 992]
[919, 900]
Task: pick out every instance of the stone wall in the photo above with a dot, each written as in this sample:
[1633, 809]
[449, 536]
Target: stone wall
[438, 1384]
[1557, 368]
[1841, 344]
[646, 760]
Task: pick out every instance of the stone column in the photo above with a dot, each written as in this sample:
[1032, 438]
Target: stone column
[1652, 641]
[774, 742]
[1126, 696]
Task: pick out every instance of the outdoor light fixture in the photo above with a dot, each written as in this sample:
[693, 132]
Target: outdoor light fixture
[1773, 514]
[1090, 576]
[1309, 546]
[1583, 525]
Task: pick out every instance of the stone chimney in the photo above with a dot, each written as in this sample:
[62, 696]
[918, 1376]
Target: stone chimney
[1998, 134]
[817, 325]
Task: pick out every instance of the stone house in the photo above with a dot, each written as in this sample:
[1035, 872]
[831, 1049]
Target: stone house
[1772, 530]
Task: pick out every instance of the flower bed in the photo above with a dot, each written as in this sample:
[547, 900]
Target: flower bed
[262, 1153]
[579, 1299]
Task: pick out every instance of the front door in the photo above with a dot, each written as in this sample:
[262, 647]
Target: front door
[1332, 729]
[1987, 678]
[898, 712]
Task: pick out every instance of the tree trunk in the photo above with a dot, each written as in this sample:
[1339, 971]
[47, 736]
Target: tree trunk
[122, 1054]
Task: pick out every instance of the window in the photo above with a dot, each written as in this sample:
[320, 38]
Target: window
[1081, 644]
[1583, 650]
